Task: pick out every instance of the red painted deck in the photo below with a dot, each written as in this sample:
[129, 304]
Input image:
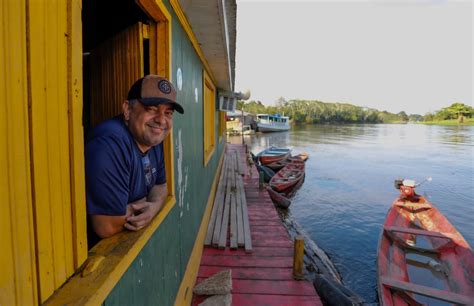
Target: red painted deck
[265, 276]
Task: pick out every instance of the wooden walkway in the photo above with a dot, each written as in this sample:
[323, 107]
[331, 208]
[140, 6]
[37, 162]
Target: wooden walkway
[264, 276]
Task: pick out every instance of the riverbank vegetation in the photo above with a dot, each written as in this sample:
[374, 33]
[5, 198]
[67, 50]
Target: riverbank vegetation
[455, 114]
[314, 112]
[466, 121]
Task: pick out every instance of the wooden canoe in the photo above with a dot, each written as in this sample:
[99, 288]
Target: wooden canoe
[335, 293]
[288, 177]
[268, 173]
[273, 154]
[283, 199]
[302, 156]
[290, 192]
[422, 258]
[279, 199]
[276, 166]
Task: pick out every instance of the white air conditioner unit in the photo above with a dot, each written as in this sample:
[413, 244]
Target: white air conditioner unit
[227, 104]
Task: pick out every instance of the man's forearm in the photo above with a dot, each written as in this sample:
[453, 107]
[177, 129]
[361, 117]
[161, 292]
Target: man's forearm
[106, 226]
[158, 195]
[146, 211]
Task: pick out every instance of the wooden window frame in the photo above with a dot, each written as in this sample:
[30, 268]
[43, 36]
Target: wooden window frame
[209, 117]
[106, 263]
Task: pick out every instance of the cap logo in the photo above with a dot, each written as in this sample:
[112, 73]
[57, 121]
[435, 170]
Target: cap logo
[164, 86]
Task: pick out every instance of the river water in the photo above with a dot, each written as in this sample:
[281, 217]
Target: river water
[349, 185]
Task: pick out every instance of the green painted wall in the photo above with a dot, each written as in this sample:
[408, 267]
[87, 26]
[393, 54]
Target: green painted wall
[155, 275]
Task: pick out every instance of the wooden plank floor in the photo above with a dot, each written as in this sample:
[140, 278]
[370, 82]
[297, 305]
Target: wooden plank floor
[265, 276]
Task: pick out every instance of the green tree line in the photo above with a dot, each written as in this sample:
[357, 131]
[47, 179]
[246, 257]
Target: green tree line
[457, 111]
[313, 111]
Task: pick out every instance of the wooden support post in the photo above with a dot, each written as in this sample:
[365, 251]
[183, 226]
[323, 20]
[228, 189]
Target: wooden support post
[298, 259]
[260, 180]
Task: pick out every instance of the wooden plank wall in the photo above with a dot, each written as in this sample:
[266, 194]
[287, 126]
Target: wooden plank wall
[115, 65]
[42, 148]
[50, 145]
[17, 259]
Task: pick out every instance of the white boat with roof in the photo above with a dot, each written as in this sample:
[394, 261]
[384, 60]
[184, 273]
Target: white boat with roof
[272, 123]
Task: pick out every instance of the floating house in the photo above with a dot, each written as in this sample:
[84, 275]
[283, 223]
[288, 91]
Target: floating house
[234, 122]
[66, 66]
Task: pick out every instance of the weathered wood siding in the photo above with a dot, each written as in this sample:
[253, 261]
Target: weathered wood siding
[116, 64]
[18, 277]
[156, 274]
[42, 186]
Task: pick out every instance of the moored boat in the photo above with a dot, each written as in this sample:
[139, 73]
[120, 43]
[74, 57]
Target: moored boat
[283, 199]
[276, 166]
[302, 156]
[273, 154]
[422, 258]
[288, 176]
[334, 292]
[272, 123]
[290, 192]
[268, 173]
[279, 199]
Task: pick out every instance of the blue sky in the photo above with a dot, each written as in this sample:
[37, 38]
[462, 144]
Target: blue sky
[408, 55]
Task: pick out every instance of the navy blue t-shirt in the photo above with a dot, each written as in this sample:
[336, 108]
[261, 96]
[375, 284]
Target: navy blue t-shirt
[117, 173]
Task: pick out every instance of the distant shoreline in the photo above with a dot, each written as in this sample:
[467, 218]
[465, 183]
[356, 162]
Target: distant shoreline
[467, 121]
[453, 122]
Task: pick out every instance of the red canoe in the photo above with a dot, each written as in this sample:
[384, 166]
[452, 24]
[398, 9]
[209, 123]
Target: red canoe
[273, 154]
[290, 193]
[276, 166]
[422, 258]
[285, 179]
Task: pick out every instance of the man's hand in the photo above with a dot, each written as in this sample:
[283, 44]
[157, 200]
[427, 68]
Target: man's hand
[142, 212]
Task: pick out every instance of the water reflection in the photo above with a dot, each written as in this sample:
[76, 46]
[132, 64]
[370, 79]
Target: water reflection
[455, 135]
[349, 184]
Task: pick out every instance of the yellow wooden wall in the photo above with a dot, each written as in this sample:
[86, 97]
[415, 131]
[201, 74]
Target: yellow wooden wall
[18, 277]
[43, 229]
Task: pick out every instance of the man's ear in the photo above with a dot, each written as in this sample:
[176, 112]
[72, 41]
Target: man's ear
[126, 110]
